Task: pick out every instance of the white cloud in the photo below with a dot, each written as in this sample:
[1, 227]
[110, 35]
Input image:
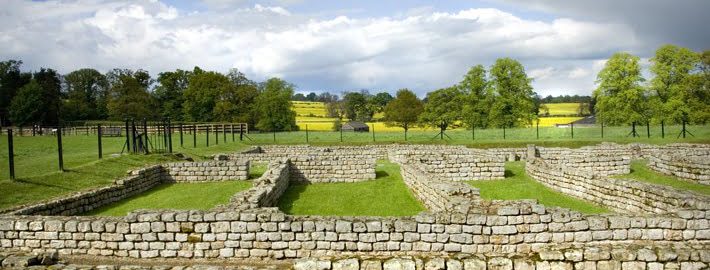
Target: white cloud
[422, 51]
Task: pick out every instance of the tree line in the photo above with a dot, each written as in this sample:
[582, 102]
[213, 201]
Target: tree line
[44, 97]
[500, 96]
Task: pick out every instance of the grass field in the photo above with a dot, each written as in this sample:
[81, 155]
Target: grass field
[517, 185]
[641, 172]
[385, 196]
[184, 196]
[562, 108]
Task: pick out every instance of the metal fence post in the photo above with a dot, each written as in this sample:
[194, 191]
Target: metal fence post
[128, 138]
[194, 136]
[572, 129]
[306, 133]
[59, 149]
[224, 133]
[180, 127]
[231, 130]
[663, 130]
[11, 156]
[216, 134]
[602, 129]
[503, 132]
[537, 130]
[145, 134]
[241, 132]
[648, 129]
[208, 136]
[170, 136]
[98, 131]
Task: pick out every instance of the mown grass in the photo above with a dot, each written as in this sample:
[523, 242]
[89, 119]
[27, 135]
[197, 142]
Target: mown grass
[517, 185]
[641, 172]
[387, 195]
[184, 196]
[257, 169]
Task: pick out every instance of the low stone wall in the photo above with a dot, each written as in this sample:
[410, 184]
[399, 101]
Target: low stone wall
[138, 182]
[330, 169]
[685, 165]
[595, 161]
[438, 195]
[208, 171]
[266, 190]
[260, 234]
[454, 164]
[620, 195]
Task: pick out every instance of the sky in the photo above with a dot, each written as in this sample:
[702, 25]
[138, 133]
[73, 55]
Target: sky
[340, 46]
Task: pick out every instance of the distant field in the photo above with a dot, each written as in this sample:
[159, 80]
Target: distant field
[562, 108]
[314, 115]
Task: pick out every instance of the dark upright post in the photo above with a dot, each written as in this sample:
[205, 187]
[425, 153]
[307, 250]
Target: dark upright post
[98, 129]
[683, 128]
[274, 135]
[59, 149]
[224, 133]
[341, 133]
[216, 134]
[11, 152]
[133, 135]
[571, 125]
[128, 138]
[194, 136]
[504, 132]
[373, 132]
[241, 132]
[208, 135]
[663, 130]
[306, 133]
[231, 130]
[648, 129]
[602, 129]
[145, 133]
[170, 136]
[180, 127]
[537, 130]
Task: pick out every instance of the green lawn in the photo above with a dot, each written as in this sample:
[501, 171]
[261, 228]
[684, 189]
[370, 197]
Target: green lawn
[385, 196]
[257, 169]
[517, 185]
[186, 196]
[641, 172]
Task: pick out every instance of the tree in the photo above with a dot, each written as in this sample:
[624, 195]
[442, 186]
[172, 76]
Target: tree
[477, 97]
[274, 106]
[170, 93]
[50, 82]
[11, 80]
[86, 95]
[380, 100]
[513, 104]
[311, 96]
[699, 96]
[672, 82]
[27, 106]
[620, 97]
[404, 110]
[235, 103]
[442, 108]
[358, 107]
[299, 97]
[128, 95]
[202, 94]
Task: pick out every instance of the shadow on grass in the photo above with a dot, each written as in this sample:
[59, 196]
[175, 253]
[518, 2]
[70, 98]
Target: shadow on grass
[292, 194]
[509, 173]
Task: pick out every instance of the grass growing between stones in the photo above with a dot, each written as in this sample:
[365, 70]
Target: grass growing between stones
[186, 196]
[387, 195]
[257, 169]
[641, 172]
[517, 185]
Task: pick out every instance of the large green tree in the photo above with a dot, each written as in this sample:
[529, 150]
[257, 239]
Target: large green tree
[128, 95]
[672, 85]
[477, 97]
[236, 103]
[274, 106]
[404, 110]
[442, 108]
[358, 106]
[620, 97]
[50, 81]
[86, 91]
[11, 80]
[169, 92]
[699, 96]
[513, 105]
[202, 94]
[27, 106]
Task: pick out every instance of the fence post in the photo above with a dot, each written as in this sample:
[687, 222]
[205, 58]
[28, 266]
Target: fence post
[663, 130]
[59, 149]
[241, 132]
[170, 136]
[373, 132]
[341, 133]
[231, 130]
[208, 135]
[537, 129]
[306, 133]
[503, 132]
[648, 129]
[216, 134]
[180, 127]
[11, 153]
[128, 138]
[98, 131]
[133, 135]
[274, 132]
[572, 129]
[194, 136]
[145, 134]
[224, 133]
[602, 129]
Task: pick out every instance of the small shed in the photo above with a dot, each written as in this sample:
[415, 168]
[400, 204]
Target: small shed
[355, 126]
